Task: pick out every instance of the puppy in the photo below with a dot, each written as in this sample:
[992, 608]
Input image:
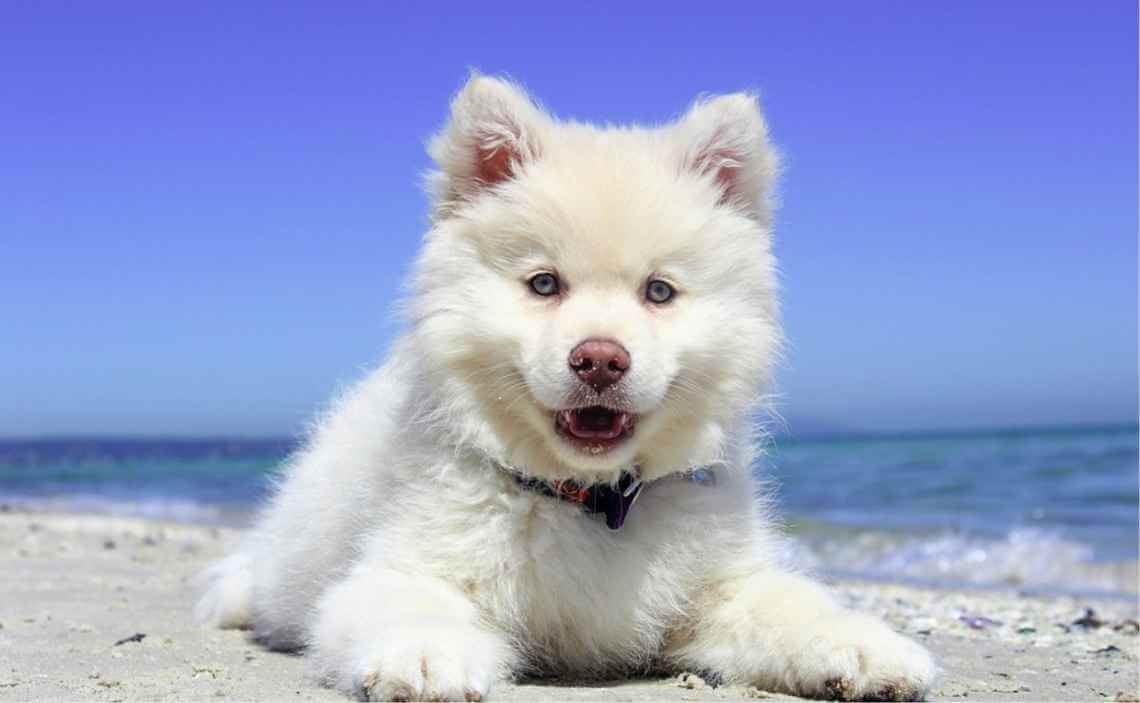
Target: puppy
[552, 472]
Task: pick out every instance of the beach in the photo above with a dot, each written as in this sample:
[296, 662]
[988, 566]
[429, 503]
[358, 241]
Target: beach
[98, 607]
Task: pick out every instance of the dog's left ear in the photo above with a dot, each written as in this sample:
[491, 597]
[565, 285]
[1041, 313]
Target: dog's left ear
[493, 132]
[726, 139]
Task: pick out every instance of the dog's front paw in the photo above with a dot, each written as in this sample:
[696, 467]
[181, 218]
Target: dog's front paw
[429, 663]
[857, 658]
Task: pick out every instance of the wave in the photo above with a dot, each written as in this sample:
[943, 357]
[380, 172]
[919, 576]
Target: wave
[1029, 559]
[150, 508]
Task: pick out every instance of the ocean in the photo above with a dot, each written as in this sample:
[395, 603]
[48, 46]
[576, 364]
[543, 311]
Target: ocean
[1042, 511]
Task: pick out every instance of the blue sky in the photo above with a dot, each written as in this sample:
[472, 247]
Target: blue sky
[206, 209]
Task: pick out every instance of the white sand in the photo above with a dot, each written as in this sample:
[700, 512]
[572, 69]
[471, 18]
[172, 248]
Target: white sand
[75, 585]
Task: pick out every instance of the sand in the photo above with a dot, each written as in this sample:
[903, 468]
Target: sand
[99, 608]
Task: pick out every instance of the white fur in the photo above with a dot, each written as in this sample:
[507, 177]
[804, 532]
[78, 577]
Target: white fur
[406, 560]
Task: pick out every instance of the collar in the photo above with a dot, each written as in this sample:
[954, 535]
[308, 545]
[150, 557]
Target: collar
[615, 502]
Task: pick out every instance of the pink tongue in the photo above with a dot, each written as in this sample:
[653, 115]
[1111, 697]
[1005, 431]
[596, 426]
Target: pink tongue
[594, 424]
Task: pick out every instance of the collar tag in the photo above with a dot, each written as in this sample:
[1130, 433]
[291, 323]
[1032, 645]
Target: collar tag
[617, 504]
[633, 488]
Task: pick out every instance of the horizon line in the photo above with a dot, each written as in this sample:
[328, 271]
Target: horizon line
[825, 435]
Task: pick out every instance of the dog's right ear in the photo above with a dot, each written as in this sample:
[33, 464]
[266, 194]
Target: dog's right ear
[493, 132]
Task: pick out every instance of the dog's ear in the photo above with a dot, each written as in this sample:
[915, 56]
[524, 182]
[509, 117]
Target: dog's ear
[725, 138]
[493, 132]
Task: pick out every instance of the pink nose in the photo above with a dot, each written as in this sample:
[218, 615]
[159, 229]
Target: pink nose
[600, 363]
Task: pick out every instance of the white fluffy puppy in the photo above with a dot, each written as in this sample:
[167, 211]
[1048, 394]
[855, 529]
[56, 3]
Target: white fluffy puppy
[553, 471]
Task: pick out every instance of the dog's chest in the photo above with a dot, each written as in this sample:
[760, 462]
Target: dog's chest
[576, 592]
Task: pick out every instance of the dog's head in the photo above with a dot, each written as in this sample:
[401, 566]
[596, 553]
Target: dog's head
[590, 299]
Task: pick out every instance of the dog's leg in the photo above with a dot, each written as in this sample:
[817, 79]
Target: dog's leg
[784, 632]
[226, 601]
[385, 635]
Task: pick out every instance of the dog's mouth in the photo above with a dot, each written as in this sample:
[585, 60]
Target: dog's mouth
[594, 429]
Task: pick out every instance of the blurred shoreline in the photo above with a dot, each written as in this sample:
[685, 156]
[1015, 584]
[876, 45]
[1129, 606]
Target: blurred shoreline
[1034, 564]
[1045, 511]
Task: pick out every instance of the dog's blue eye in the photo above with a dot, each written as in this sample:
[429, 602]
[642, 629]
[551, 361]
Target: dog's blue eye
[544, 284]
[659, 291]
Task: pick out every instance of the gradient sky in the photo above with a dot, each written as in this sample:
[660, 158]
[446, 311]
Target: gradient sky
[206, 208]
